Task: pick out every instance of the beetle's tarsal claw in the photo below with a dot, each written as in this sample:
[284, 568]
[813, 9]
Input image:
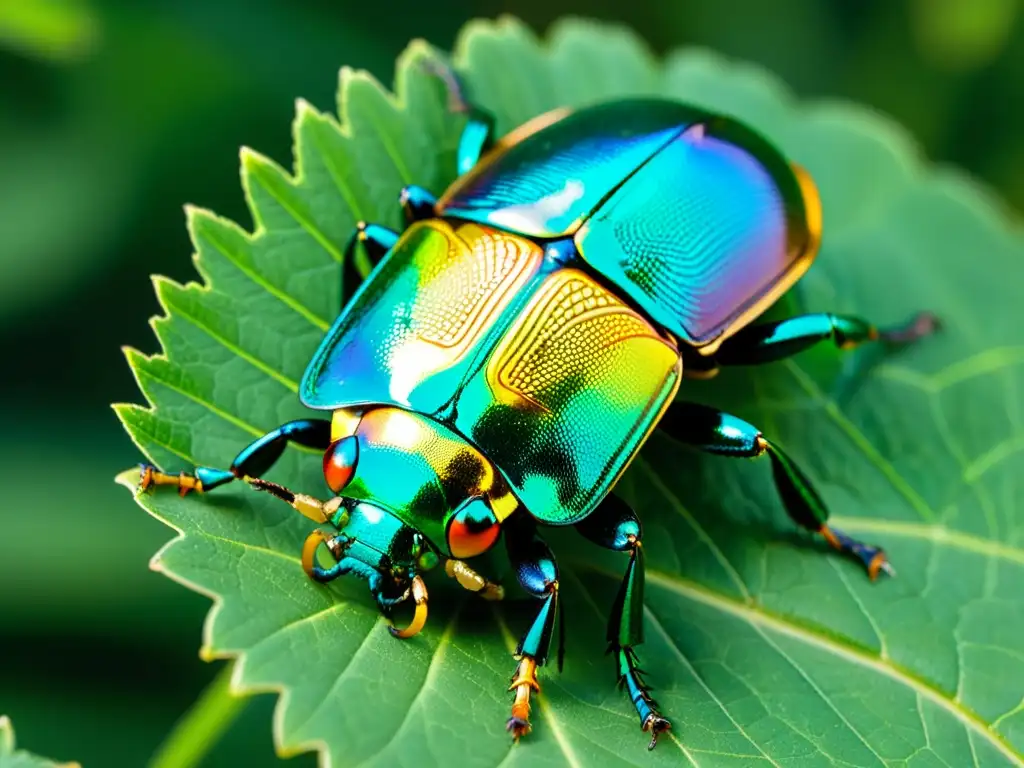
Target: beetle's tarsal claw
[145, 477]
[921, 325]
[656, 725]
[419, 619]
[872, 558]
[517, 727]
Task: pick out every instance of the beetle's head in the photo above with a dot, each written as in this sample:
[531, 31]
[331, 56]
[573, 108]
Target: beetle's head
[369, 542]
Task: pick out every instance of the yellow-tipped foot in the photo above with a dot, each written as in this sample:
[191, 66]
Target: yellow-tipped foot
[524, 683]
[150, 476]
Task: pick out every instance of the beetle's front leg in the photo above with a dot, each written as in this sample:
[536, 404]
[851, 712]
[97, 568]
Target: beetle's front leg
[715, 432]
[252, 461]
[417, 203]
[614, 525]
[768, 342]
[537, 571]
[376, 240]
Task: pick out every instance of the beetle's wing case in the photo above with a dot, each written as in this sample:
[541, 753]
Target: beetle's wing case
[708, 233]
[410, 334]
[568, 395]
[544, 181]
[551, 376]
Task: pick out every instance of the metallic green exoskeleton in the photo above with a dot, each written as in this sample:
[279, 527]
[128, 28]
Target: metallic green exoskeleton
[514, 347]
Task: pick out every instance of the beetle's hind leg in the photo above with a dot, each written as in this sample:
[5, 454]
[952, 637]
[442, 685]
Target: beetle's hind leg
[537, 571]
[614, 525]
[768, 342]
[717, 432]
[252, 461]
[478, 134]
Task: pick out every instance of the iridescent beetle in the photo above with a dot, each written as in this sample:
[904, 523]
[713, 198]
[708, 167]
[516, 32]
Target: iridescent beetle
[517, 343]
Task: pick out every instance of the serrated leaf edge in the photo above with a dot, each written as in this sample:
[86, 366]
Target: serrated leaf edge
[966, 190]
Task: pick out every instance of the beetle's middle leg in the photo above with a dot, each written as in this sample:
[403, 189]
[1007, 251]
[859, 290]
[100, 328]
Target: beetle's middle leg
[252, 461]
[768, 342]
[537, 572]
[614, 525]
[713, 431]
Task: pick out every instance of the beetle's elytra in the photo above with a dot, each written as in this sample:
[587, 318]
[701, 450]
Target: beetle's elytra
[515, 346]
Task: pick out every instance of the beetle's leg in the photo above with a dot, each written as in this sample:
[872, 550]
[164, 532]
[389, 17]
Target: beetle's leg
[537, 571]
[768, 342]
[716, 432]
[473, 581]
[255, 459]
[477, 137]
[614, 525]
[376, 241]
[478, 134]
[417, 203]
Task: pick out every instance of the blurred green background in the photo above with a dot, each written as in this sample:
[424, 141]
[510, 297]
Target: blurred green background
[114, 114]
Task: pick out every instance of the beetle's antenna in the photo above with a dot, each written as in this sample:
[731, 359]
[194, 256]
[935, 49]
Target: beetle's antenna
[316, 510]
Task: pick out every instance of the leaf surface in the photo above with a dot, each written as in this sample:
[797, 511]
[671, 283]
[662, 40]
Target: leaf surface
[764, 648]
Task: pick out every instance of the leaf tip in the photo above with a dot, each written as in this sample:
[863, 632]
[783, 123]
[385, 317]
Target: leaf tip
[6, 735]
[129, 478]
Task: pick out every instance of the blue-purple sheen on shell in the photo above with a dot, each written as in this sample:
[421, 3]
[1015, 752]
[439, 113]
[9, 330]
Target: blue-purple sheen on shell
[548, 183]
[699, 234]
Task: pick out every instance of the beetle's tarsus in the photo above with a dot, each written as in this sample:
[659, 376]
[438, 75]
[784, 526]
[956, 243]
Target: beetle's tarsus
[656, 725]
[150, 476]
[524, 682]
[921, 325]
[871, 557]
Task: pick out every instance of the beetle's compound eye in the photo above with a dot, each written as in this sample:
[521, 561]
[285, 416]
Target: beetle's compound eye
[340, 462]
[425, 557]
[473, 529]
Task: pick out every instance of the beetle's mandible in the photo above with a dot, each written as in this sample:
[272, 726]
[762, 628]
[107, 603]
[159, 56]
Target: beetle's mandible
[514, 347]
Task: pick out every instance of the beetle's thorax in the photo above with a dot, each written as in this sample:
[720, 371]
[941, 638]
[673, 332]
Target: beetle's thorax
[423, 473]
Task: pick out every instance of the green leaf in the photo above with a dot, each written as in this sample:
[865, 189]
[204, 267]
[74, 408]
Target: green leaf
[19, 758]
[764, 648]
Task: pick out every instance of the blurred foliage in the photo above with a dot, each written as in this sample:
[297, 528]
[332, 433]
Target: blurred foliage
[58, 30]
[115, 113]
